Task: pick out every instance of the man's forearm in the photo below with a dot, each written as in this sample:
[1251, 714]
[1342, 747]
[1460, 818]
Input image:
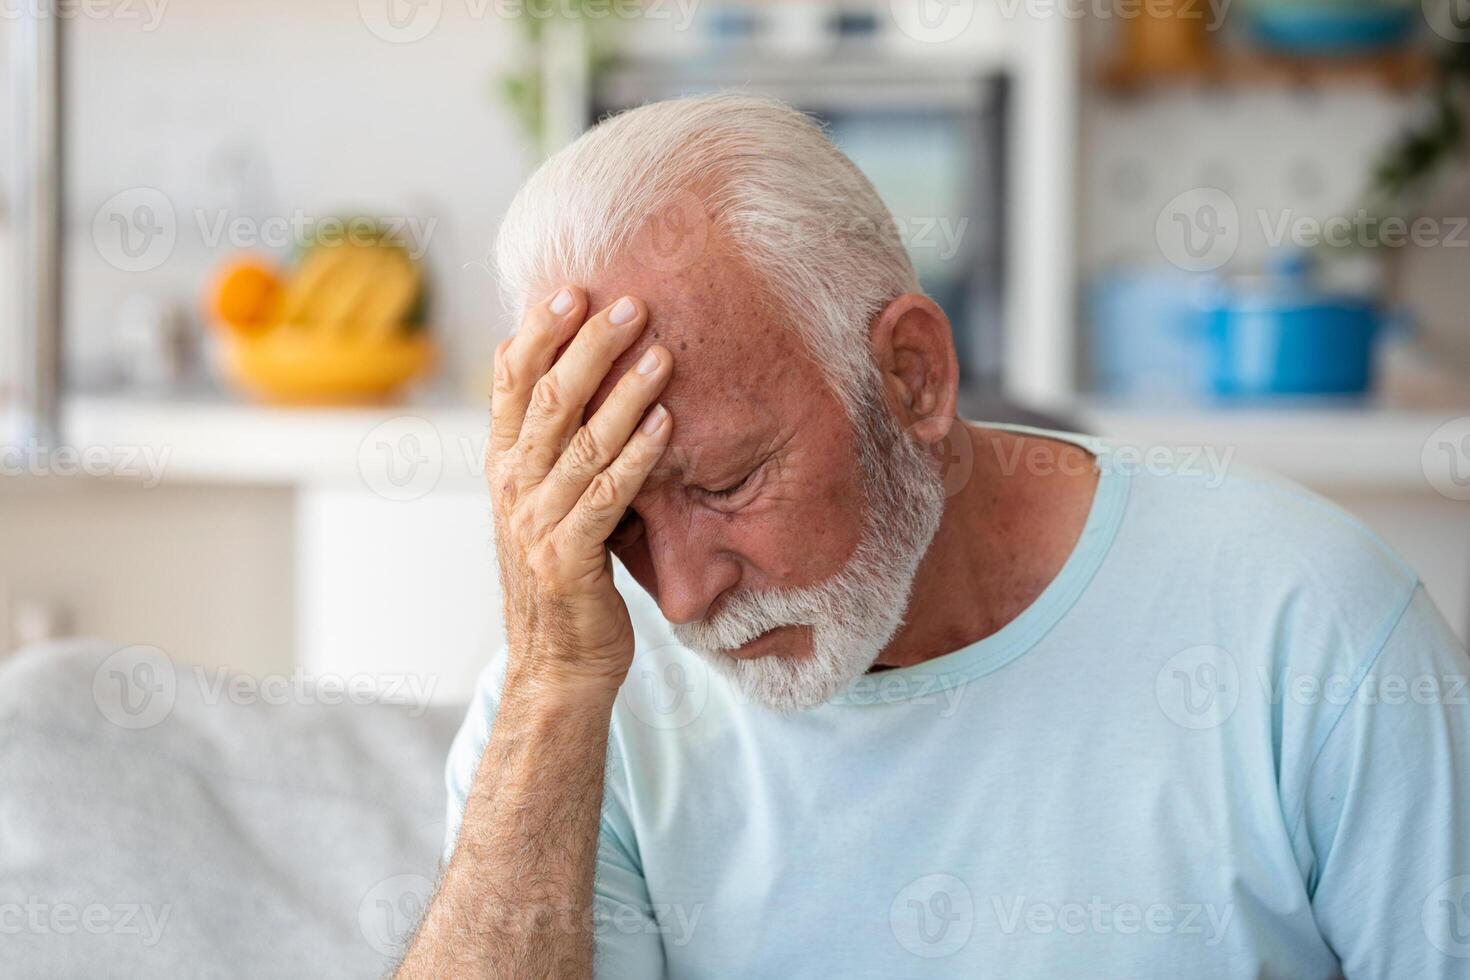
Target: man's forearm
[516, 898]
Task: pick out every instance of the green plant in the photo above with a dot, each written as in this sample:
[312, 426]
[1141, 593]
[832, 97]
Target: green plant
[523, 87]
[1412, 162]
[1408, 169]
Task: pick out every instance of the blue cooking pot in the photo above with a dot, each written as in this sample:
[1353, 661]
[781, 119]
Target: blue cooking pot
[1331, 27]
[1279, 335]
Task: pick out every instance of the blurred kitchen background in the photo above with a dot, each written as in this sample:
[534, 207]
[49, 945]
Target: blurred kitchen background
[247, 315]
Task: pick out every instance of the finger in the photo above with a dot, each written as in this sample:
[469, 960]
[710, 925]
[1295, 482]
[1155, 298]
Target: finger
[559, 398]
[610, 493]
[597, 443]
[522, 360]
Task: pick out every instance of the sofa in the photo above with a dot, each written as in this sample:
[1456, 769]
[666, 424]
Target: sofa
[158, 820]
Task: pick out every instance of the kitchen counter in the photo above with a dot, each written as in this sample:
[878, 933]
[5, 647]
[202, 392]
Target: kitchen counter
[389, 525]
[214, 439]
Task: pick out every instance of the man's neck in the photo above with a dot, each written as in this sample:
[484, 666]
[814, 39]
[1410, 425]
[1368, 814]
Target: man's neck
[1006, 533]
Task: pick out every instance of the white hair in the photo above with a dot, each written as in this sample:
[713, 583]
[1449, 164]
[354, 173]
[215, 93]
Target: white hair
[804, 219]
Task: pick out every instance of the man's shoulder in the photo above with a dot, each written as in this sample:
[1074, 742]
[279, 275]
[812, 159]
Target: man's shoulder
[1200, 504]
[1266, 548]
[1260, 518]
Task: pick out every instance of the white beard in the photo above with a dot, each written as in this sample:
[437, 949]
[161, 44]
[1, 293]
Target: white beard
[853, 615]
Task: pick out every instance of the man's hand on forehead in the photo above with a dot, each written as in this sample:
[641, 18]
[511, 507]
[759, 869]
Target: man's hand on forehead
[562, 477]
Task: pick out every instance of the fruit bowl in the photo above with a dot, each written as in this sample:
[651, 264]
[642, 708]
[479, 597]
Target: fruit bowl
[293, 365]
[344, 323]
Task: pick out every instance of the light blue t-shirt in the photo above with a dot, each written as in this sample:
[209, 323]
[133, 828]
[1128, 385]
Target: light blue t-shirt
[1231, 739]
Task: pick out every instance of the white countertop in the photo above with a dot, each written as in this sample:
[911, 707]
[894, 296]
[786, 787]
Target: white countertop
[1362, 447]
[217, 440]
[213, 439]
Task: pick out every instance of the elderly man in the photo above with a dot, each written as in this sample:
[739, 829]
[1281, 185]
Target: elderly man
[871, 691]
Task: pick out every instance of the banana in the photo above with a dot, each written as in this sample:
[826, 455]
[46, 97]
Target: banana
[367, 290]
[336, 309]
[320, 265]
[382, 309]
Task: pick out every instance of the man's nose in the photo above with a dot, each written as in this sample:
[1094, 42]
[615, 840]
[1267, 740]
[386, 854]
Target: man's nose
[691, 574]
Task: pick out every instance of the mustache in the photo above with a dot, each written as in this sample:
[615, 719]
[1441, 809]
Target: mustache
[746, 616]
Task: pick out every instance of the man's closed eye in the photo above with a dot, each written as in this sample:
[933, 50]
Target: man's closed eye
[730, 492]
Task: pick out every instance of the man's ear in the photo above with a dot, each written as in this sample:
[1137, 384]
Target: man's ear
[914, 349]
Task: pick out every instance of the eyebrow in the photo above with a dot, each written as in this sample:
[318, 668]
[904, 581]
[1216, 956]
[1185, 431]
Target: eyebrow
[689, 466]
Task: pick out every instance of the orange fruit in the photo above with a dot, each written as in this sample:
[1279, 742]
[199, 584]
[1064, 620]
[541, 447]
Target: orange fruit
[244, 295]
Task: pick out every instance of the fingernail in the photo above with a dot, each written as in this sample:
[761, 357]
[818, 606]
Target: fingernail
[623, 311]
[648, 363]
[562, 303]
[655, 420]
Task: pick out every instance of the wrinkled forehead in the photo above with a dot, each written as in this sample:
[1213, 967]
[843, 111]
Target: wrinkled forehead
[734, 352]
